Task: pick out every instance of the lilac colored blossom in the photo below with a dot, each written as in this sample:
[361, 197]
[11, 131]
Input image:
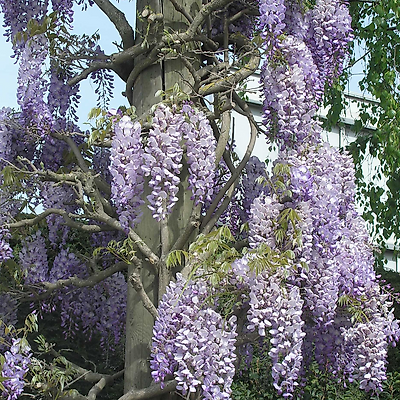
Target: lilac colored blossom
[276, 311]
[127, 157]
[193, 342]
[64, 9]
[200, 150]
[264, 215]
[291, 87]
[163, 160]
[297, 21]
[31, 86]
[16, 364]
[17, 14]
[329, 35]
[33, 258]
[271, 21]
[5, 249]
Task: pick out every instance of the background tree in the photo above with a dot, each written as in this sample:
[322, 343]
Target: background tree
[149, 237]
[376, 52]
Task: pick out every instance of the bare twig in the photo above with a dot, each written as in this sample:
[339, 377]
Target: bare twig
[95, 66]
[135, 281]
[181, 10]
[208, 220]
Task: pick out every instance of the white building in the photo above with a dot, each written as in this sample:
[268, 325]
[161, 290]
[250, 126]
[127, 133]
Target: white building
[339, 136]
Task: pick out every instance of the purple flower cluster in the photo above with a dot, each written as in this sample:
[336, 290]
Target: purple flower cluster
[127, 158]
[64, 9]
[305, 50]
[5, 249]
[16, 364]
[291, 86]
[193, 342]
[333, 262]
[18, 13]
[200, 151]
[329, 34]
[31, 87]
[33, 258]
[276, 312]
[163, 160]
[271, 21]
[94, 310]
[60, 197]
[264, 215]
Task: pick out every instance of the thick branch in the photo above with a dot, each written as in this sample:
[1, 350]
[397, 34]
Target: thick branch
[182, 10]
[144, 249]
[150, 392]
[68, 218]
[204, 13]
[78, 282]
[117, 17]
[99, 386]
[95, 66]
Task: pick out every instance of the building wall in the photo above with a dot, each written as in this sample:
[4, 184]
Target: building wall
[339, 136]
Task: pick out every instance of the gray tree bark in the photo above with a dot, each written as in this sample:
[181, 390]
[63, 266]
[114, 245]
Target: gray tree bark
[161, 76]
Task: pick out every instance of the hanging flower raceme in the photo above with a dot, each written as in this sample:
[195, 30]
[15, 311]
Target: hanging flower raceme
[16, 364]
[163, 160]
[192, 341]
[127, 157]
[200, 151]
[329, 34]
[31, 87]
[304, 50]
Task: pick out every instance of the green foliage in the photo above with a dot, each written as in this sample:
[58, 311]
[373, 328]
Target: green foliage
[103, 123]
[377, 35]
[122, 250]
[214, 253]
[50, 379]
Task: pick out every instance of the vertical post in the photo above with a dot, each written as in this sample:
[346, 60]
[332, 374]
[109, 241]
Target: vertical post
[162, 75]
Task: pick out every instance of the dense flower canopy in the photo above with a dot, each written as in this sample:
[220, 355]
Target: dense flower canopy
[293, 276]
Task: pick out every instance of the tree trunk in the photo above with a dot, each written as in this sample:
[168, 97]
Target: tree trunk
[162, 75]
